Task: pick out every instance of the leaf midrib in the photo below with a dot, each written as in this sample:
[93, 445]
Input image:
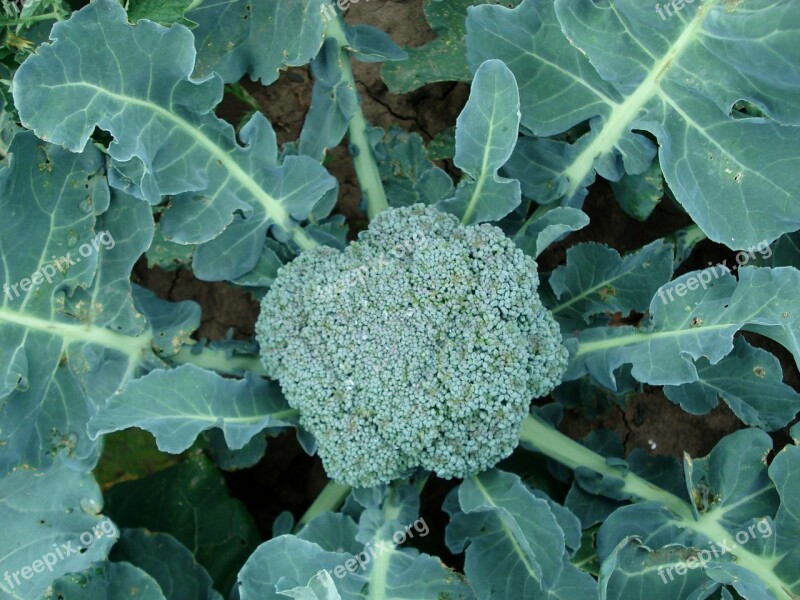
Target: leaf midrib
[272, 206]
[131, 346]
[622, 114]
[635, 338]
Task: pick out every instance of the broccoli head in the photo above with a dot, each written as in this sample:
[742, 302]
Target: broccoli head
[420, 345]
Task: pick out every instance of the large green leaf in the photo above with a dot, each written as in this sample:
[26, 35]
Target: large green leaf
[199, 400]
[256, 38]
[78, 333]
[635, 572]
[700, 322]
[109, 581]
[169, 562]
[486, 133]
[749, 381]
[191, 503]
[621, 67]
[742, 530]
[597, 280]
[441, 59]
[166, 139]
[515, 541]
[44, 514]
[287, 563]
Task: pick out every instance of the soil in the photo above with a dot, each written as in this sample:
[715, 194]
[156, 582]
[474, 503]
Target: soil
[287, 479]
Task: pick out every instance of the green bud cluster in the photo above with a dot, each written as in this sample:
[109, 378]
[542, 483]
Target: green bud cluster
[420, 345]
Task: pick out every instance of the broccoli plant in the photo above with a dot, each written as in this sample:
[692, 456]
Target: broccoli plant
[428, 333]
[424, 359]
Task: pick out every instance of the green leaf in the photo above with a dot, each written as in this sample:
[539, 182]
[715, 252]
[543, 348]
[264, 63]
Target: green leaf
[685, 240]
[370, 44]
[334, 532]
[538, 232]
[597, 280]
[486, 132]
[8, 129]
[443, 145]
[190, 502]
[388, 571]
[639, 194]
[233, 460]
[631, 74]
[719, 481]
[273, 256]
[44, 515]
[110, 581]
[130, 454]
[406, 575]
[167, 140]
[783, 252]
[333, 104]
[749, 380]
[441, 59]
[408, 175]
[165, 12]
[287, 562]
[177, 405]
[636, 572]
[515, 546]
[167, 561]
[698, 323]
[537, 164]
[742, 529]
[168, 255]
[250, 37]
[77, 334]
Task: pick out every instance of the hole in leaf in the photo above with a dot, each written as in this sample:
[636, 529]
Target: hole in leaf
[742, 109]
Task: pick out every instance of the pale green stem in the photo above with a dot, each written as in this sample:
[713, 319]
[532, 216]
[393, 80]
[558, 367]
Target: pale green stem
[216, 360]
[193, 5]
[379, 576]
[29, 20]
[329, 499]
[570, 453]
[363, 158]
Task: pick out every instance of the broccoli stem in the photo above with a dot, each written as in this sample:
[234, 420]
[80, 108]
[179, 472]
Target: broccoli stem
[330, 499]
[363, 158]
[33, 19]
[216, 360]
[570, 453]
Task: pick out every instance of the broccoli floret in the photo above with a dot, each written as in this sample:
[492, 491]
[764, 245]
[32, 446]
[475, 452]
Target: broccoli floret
[420, 345]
